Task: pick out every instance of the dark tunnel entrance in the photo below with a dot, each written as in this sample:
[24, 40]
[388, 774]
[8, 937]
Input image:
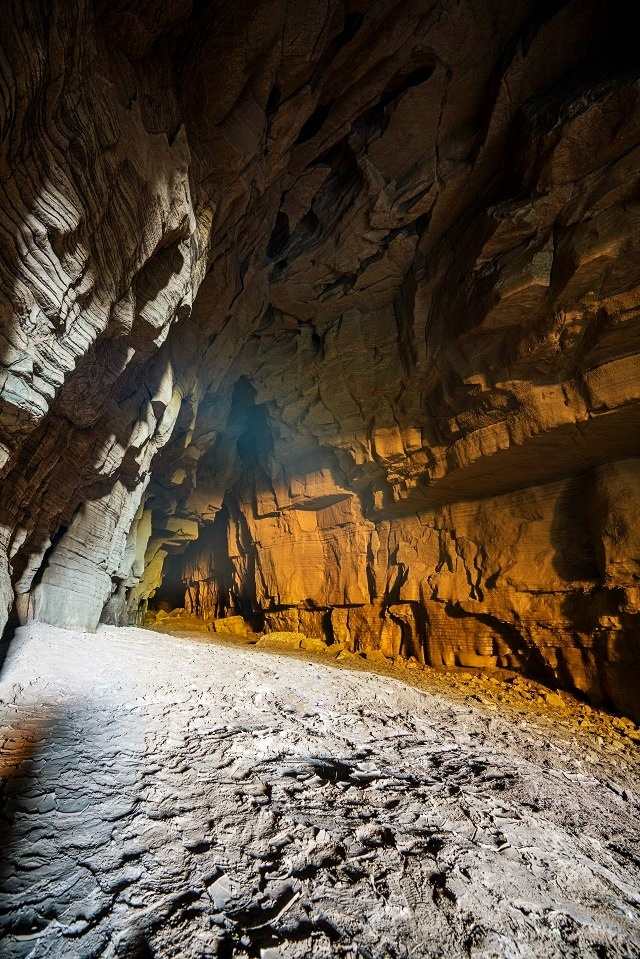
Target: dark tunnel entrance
[171, 593]
[199, 579]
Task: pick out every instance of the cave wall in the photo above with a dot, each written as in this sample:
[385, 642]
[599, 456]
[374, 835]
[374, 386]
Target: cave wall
[339, 301]
[538, 580]
[102, 252]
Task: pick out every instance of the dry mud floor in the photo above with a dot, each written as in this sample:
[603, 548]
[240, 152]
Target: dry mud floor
[168, 797]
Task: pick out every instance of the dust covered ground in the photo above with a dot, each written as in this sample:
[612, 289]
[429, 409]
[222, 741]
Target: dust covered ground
[168, 796]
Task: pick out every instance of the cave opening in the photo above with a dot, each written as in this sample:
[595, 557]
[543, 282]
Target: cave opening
[171, 593]
[198, 580]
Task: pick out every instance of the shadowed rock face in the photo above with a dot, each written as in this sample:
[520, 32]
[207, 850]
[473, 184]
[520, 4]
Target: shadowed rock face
[331, 310]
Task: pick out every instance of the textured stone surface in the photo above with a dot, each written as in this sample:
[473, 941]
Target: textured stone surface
[327, 315]
[148, 809]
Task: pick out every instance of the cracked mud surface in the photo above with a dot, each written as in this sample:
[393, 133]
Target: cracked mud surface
[168, 797]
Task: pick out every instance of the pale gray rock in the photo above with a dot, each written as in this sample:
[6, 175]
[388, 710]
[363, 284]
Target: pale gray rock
[398, 819]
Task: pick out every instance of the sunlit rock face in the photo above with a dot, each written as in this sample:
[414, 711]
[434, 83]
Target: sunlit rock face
[328, 313]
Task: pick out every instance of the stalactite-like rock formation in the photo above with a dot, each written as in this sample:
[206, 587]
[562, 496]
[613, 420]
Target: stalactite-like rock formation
[330, 313]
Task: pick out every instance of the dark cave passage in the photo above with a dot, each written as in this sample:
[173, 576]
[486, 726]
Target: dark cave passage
[170, 594]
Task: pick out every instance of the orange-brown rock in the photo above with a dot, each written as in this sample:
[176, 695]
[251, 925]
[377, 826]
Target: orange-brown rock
[328, 316]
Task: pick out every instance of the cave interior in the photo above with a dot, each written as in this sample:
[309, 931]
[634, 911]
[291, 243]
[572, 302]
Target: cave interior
[320, 476]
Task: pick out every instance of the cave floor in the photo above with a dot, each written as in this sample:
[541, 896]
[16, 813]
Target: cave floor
[164, 796]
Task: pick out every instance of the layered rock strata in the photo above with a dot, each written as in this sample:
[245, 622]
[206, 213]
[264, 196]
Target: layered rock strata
[327, 315]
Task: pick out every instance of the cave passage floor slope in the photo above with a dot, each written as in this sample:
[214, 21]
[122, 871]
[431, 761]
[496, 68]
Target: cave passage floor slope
[167, 797]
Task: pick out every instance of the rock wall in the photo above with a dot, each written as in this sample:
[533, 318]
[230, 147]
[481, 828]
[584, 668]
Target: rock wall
[330, 311]
[102, 252]
[538, 580]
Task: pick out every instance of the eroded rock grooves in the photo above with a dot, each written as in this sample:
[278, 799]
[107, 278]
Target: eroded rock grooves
[330, 309]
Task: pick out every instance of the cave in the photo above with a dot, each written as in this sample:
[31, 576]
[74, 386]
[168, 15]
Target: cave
[320, 474]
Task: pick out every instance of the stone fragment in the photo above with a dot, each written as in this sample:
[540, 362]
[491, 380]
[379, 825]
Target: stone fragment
[281, 640]
[313, 645]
